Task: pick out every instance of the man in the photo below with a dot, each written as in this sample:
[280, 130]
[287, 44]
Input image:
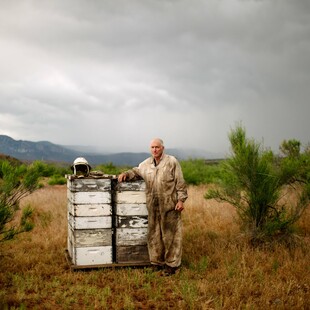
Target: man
[165, 194]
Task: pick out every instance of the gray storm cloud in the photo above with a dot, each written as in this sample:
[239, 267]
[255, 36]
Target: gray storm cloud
[115, 74]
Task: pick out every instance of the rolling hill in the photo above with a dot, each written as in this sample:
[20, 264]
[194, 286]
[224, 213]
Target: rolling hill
[46, 151]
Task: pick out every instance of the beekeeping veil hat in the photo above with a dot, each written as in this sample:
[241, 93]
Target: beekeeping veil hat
[81, 166]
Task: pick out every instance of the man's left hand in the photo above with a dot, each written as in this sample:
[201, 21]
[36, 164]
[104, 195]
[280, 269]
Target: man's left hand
[179, 206]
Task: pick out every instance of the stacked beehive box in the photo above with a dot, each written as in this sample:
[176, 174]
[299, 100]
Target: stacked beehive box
[107, 222]
[131, 222]
[90, 231]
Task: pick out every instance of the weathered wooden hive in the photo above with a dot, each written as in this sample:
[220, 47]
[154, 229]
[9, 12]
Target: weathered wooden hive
[90, 220]
[107, 222]
[131, 222]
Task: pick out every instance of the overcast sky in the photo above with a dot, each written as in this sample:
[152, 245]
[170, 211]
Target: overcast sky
[115, 74]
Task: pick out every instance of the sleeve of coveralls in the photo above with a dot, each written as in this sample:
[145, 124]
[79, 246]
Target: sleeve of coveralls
[132, 173]
[180, 183]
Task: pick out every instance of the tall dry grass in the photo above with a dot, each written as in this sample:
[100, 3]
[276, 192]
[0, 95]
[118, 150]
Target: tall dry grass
[220, 270]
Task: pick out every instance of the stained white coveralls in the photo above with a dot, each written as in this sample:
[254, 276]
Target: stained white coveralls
[165, 186]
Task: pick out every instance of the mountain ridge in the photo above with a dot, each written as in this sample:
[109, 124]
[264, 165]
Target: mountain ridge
[46, 151]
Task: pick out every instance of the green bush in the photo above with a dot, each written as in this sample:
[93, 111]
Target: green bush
[253, 181]
[50, 169]
[57, 180]
[197, 171]
[109, 168]
[16, 182]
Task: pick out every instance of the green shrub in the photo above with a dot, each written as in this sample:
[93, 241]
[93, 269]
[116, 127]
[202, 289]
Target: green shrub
[50, 169]
[16, 182]
[109, 168]
[197, 171]
[57, 180]
[253, 181]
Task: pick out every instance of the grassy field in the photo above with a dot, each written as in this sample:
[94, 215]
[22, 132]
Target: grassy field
[220, 270]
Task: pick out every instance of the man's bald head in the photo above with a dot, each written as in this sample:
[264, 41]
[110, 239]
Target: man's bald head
[157, 140]
[157, 148]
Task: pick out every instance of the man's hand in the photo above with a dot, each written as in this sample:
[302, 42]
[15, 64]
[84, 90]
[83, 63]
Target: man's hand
[122, 177]
[179, 206]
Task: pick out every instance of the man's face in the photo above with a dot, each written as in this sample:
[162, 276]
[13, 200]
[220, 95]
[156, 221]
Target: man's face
[156, 149]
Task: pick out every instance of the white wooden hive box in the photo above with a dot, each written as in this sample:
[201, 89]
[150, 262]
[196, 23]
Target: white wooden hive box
[127, 209]
[89, 209]
[92, 255]
[130, 197]
[89, 222]
[89, 197]
[134, 221]
[131, 236]
[130, 186]
[90, 237]
[85, 184]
